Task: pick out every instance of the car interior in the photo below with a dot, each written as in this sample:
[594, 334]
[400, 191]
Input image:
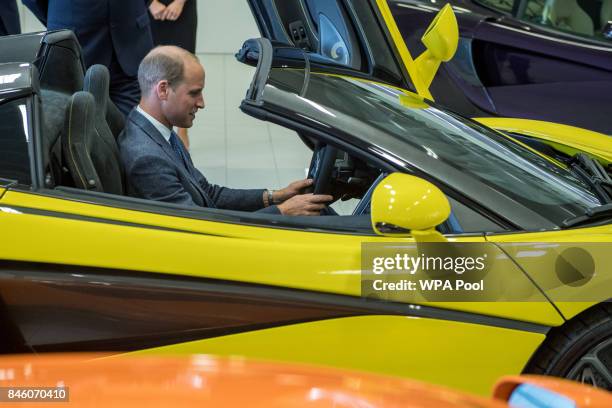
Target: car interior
[316, 26]
[588, 18]
[80, 125]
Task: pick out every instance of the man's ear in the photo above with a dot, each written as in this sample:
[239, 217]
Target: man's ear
[162, 89]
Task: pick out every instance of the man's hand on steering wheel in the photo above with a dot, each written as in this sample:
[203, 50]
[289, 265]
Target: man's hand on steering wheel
[293, 189]
[305, 204]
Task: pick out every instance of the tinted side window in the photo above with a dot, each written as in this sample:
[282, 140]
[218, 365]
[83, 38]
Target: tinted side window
[337, 41]
[14, 138]
[501, 5]
[586, 18]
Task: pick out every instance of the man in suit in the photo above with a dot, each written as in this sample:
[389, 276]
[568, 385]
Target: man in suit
[9, 18]
[114, 33]
[157, 165]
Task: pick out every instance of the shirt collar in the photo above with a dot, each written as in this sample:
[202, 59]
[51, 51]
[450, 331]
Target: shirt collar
[165, 132]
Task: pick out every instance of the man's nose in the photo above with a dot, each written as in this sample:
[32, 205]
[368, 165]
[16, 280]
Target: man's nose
[201, 104]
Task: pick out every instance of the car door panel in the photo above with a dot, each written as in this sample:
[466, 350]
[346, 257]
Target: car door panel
[103, 309]
[572, 290]
[512, 62]
[148, 242]
[393, 345]
[563, 98]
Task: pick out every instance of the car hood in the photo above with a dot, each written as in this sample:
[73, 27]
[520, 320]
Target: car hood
[569, 139]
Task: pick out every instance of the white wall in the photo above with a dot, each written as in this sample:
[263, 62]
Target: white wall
[29, 23]
[223, 25]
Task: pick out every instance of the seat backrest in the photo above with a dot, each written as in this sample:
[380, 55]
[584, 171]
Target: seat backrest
[91, 159]
[96, 82]
[569, 16]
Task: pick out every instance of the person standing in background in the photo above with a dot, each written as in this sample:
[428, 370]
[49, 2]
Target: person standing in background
[114, 33]
[9, 18]
[175, 22]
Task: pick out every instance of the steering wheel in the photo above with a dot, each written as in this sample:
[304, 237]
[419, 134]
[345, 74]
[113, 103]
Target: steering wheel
[321, 167]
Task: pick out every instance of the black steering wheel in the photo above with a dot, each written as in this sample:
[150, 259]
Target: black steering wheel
[321, 167]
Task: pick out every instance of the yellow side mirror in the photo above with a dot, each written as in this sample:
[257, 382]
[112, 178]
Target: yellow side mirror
[405, 205]
[441, 39]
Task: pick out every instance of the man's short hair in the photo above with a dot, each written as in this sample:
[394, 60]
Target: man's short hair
[159, 65]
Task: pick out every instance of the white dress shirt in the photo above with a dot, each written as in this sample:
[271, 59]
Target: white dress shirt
[165, 132]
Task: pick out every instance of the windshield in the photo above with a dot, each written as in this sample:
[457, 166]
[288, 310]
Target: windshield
[448, 139]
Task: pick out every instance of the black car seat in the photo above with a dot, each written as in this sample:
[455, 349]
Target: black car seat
[569, 16]
[96, 82]
[89, 155]
[114, 118]
[54, 105]
[109, 121]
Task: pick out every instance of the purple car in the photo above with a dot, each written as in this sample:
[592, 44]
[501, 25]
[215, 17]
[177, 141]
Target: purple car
[538, 59]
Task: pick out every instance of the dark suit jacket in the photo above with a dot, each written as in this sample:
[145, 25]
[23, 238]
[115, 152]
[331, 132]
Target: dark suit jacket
[102, 27]
[9, 18]
[154, 171]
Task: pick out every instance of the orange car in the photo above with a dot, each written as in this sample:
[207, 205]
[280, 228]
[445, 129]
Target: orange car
[86, 380]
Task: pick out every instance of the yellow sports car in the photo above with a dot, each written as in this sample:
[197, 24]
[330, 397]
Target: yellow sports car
[84, 267]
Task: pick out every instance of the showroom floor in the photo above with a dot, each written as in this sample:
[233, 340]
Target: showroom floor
[233, 149]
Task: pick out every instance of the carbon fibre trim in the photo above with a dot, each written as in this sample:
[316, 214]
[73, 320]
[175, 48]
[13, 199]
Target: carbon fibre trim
[71, 308]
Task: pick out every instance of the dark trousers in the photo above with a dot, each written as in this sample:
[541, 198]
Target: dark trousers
[124, 89]
[9, 18]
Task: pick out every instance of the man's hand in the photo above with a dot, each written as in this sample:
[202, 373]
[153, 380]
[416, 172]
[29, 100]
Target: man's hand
[174, 10]
[157, 9]
[305, 204]
[291, 190]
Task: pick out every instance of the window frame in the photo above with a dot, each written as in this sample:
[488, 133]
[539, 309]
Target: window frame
[34, 153]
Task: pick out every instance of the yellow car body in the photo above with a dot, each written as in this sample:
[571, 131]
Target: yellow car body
[75, 260]
[567, 139]
[436, 350]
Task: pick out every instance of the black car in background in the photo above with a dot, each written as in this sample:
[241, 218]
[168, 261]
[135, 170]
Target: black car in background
[549, 60]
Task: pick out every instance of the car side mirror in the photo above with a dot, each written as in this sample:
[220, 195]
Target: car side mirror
[607, 30]
[441, 39]
[405, 205]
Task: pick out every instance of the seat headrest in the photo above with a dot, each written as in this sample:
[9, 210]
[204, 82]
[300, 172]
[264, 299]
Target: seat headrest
[97, 80]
